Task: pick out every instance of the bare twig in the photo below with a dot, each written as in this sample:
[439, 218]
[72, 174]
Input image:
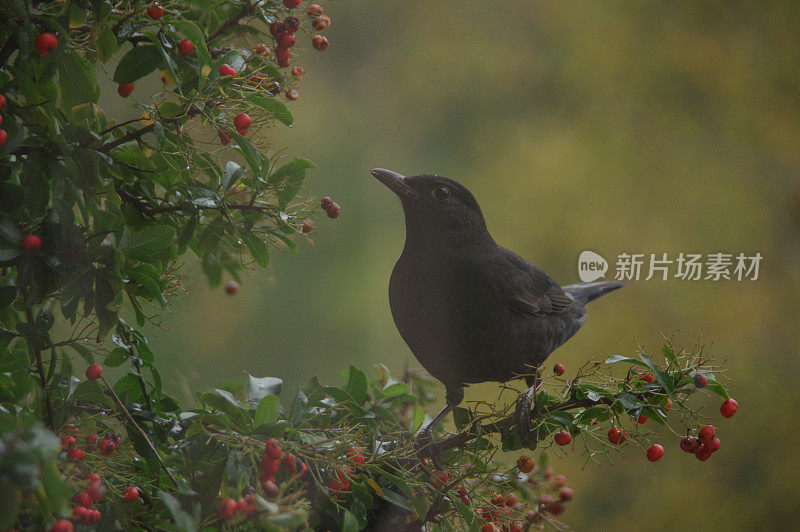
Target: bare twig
[33, 347]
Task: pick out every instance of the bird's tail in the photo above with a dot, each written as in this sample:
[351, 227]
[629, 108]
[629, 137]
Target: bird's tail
[586, 292]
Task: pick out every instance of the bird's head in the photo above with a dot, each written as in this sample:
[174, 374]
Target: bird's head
[436, 206]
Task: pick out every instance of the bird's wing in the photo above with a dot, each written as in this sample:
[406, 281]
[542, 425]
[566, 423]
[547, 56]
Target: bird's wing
[532, 291]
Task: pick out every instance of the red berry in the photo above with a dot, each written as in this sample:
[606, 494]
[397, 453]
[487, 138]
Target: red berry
[261, 49]
[125, 89]
[546, 500]
[669, 405]
[224, 137]
[274, 449]
[268, 485]
[291, 4]
[75, 455]
[289, 462]
[511, 500]
[337, 489]
[284, 56]
[62, 525]
[92, 477]
[242, 121]
[707, 433]
[227, 508]
[655, 452]
[728, 408]
[307, 228]
[439, 478]
[292, 94]
[95, 517]
[186, 47]
[703, 453]
[558, 369]
[31, 242]
[81, 514]
[91, 441]
[324, 202]
[333, 210]
[96, 491]
[287, 40]
[321, 22]
[490, 527]
[355, 456]
[700, 380]
[525, 464]
[617, 436]
[561, 480]
[647, 377]
[314, 10]
[3, 140]
[557, 508]
[46, 43]
[515, 526]
[3, 134]
[246, 505]
[563, 437]
[548, 472]
[297, 72]
[67, 442]
[155, 11]
[566, 493]
[320, 42]
[269, 466]
[227, 70]
[714, 445]
[107, 447]
[130, 494]
[94, 371]
[291, 24]
[273, 87]
[497, 499]
[690, 444]
[82, 499]
[2, 101]
[231, 287]
[277, 29]
[642, 419]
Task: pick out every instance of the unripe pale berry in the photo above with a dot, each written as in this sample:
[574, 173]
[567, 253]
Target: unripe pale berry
[292, 94]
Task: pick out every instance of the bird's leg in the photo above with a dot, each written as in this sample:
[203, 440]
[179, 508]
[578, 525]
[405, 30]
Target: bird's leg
[425, 436]
[523, 412]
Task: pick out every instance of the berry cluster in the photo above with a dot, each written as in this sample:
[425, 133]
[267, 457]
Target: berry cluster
[339, 485]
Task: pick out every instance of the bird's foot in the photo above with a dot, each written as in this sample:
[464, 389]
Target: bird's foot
[523, 415]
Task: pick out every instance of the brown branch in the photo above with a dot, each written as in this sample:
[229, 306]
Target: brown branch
[140, 430]
[142, 206]
[33, 347]
[245, 11]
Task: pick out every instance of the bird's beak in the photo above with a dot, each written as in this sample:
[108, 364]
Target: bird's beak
[396, 182]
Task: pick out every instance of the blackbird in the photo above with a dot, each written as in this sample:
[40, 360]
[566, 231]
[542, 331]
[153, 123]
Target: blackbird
[470, 310]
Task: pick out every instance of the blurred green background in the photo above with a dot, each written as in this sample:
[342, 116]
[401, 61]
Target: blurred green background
[611, 126]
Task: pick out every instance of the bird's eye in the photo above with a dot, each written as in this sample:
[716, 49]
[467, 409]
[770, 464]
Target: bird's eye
[441, 193]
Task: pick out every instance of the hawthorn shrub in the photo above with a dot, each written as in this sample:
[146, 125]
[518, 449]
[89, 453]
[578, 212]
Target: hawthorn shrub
[96, 215]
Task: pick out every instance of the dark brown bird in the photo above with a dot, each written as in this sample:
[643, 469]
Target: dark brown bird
[469, 309]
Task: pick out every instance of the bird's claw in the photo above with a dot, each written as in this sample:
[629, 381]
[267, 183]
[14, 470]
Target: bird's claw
[523, 415]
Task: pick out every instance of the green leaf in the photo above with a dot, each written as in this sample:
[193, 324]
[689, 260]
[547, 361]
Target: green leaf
[621, 358]
[663, 379]
[196, 36]
[349, 522]
[7, 295]
[357, 384]
[106, 44]
[461, 417]
[393, 390]
[147, 244]
[419, 419]
[274, 107]
[294, 168]
[249, 153]
[225, 401]
[260, 387]
[717, 388]
[268, 410]
[77, 82]
[257, 247]
[137, 63]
